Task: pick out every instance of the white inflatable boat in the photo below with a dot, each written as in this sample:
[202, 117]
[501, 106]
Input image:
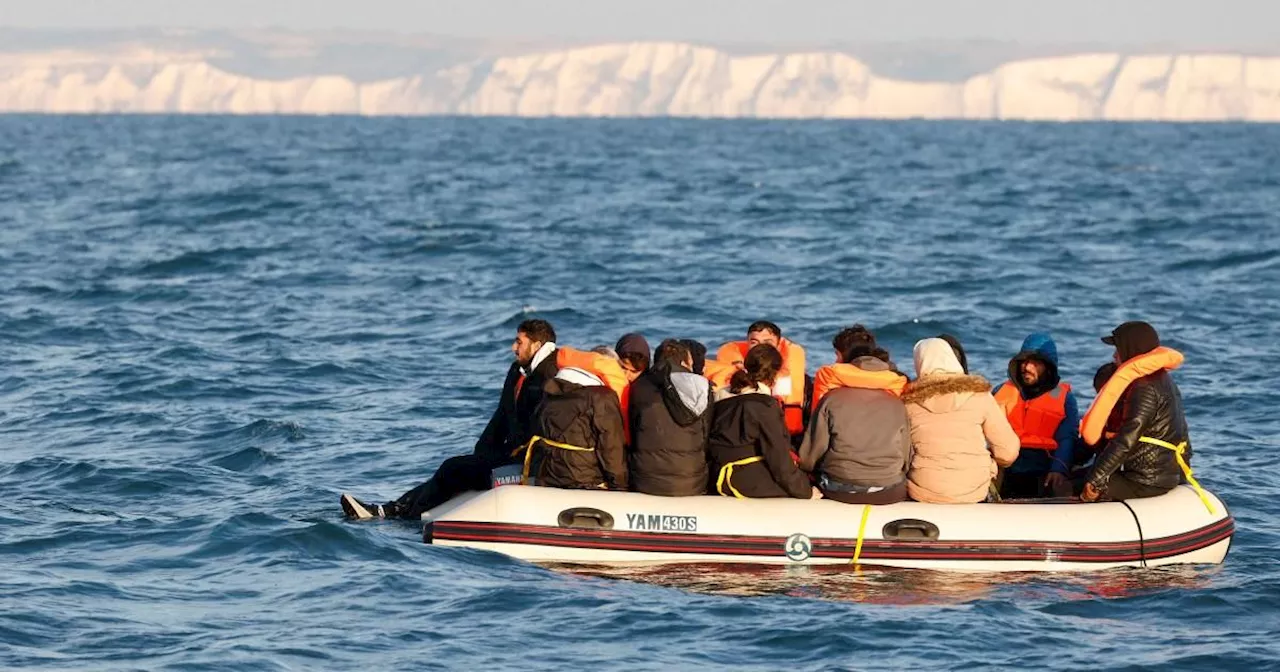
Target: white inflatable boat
[613, 528]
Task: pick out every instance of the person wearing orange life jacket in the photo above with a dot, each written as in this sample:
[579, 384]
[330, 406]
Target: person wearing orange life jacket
[1043, 412]
[1150, 453]
[793, 386]
[858, 442]
[507, 432]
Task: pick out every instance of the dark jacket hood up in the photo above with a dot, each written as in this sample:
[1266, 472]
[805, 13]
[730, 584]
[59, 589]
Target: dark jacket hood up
[670, 419]
[1038, 346]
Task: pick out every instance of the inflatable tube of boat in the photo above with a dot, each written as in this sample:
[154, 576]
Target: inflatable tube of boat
[607, 528]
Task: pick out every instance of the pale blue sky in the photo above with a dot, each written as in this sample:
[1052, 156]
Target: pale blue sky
[1192, 23]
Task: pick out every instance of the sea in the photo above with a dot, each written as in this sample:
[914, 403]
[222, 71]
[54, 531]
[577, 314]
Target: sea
[210, 327]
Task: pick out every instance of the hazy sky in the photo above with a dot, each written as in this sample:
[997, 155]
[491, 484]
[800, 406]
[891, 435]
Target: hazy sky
[1237, 23]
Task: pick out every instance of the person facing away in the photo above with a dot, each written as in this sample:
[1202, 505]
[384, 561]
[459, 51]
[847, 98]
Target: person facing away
[1142, 459]
[670, 423]
[959, 434]
[958, 349]
[507, 432]
[792, 386]
[749, 447]
[859, 441]
[1043, 413]
[579, 440]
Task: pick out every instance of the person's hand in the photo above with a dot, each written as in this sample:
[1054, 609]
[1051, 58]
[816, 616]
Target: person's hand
[1090, 493]
[816, 494]
[1057, 484]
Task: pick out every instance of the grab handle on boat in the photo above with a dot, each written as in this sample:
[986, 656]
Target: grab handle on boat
[909, 529]
[585, 518]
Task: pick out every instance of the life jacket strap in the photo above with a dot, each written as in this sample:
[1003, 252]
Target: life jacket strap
[862, 532]
[1179, 451]
[726, 476]
[528, 453]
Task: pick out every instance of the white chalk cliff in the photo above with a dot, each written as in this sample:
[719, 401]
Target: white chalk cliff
[660, 79]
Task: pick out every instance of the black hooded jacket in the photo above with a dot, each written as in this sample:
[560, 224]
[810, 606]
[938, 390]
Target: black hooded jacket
[670, 421]
[586, 417]
[512, 422]
[750, 425]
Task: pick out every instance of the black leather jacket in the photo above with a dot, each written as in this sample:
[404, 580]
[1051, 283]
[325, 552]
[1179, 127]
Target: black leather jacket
[1152, 408]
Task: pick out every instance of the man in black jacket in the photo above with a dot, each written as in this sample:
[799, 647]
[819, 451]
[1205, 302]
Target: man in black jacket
[508, 430]
[670, 410]
[1137, 461]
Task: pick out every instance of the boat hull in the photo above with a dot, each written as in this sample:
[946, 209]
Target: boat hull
[618, 528]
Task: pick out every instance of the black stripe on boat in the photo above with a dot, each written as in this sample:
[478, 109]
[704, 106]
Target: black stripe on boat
[872, 549]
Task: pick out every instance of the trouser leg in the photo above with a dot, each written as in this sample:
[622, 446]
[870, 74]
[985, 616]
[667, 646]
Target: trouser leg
[456, 475]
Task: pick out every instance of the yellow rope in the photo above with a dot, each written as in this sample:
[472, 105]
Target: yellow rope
[528, 453]
[1179, 451]
[862, 531]
[726, 476]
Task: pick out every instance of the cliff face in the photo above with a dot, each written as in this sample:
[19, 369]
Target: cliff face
[660, 79]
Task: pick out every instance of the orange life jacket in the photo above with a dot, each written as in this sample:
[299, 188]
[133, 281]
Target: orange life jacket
[1034, 420]
[789, 388]
[835, 376]
[1095, 419]
[718, 373]
[607, 369]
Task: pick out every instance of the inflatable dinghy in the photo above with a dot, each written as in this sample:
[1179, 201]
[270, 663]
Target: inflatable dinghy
[614, 528]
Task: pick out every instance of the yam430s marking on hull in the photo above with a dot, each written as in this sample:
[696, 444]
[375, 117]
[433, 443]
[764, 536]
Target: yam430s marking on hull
[659, 523]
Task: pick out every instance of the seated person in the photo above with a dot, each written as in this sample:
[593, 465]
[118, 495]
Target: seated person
[1150, 453]
[1043, 413]
[792, 384]
[670, 411]
[959, 434]
[579, 440]
[749, 447]
[859, 441]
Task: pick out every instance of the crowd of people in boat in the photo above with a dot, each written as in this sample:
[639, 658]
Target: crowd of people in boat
[749, 422]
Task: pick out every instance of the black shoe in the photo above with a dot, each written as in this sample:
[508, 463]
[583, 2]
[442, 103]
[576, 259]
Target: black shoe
[357, 509]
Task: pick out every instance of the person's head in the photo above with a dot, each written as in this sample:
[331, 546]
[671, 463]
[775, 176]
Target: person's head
[1103, 374]
[673, 355]
[760, 367]
[633, 353]
[764, 333]
[934, 356]
[957, 350]
[699, 353]
[854, 342]
[1132, 339]
[531, 335]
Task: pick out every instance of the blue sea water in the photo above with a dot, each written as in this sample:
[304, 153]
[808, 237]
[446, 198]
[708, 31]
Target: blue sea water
[210, 327]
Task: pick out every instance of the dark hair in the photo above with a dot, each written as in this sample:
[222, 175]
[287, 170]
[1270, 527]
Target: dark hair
[958, 349]
[764, 325]
[538, 330]
[882, 355]
[698, 352]
[671, 353]
[854, 342]
[763, 362]
[1103, 374]
[638, 360]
